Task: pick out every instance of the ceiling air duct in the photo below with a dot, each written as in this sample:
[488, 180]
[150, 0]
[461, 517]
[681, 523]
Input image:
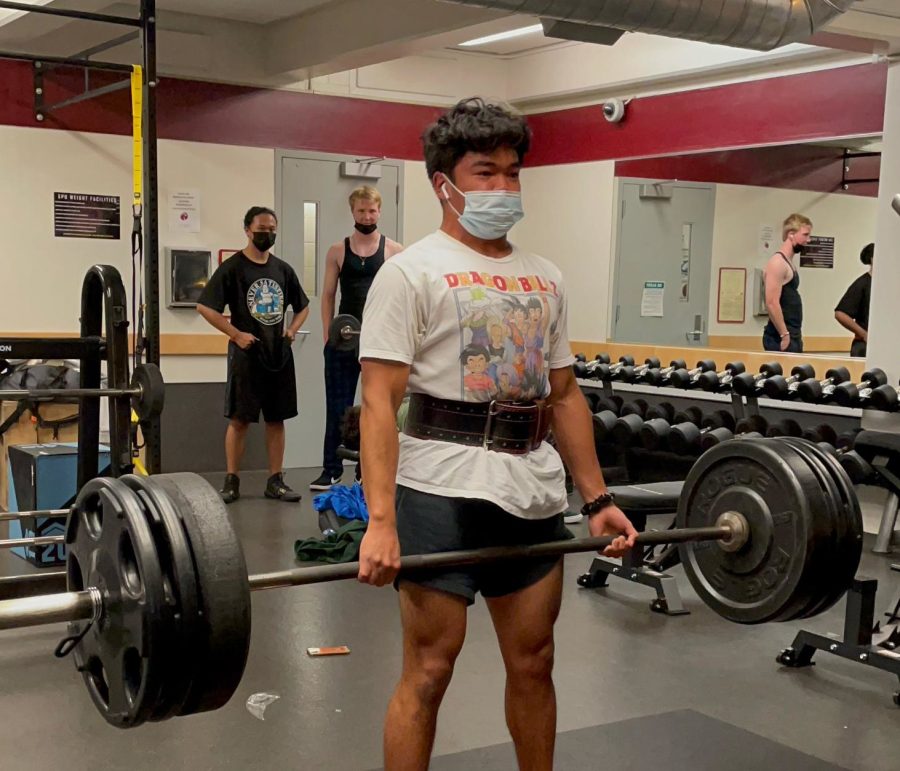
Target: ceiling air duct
[756, 24]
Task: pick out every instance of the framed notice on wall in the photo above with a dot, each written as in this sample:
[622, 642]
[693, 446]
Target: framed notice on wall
[732, 295]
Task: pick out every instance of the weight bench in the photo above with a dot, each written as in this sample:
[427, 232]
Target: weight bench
[638, 502]
[882, 450]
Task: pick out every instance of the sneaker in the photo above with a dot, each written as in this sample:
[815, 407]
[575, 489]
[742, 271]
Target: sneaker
[231, 490]
[324, 482]
[277, 488]
[573, 517]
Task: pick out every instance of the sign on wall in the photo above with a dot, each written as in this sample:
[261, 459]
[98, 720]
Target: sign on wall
[819, 252]
[83, 215]
[184, 211]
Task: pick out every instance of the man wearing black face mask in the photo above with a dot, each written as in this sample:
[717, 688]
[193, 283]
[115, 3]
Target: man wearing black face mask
[782, 282]
[352, 265]
[257, 287]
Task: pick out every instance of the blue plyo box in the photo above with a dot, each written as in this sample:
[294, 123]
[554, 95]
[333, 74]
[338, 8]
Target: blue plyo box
[43, 476]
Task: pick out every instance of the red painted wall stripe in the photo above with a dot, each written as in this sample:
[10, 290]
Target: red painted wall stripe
[789, 109]
[795, 108]
[790, 167]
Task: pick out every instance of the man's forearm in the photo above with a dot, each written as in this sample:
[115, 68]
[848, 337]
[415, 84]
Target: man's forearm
[327, 312]
[379, 443]
[777, 318]
[849, 324]
[574, 434]
[218, 320]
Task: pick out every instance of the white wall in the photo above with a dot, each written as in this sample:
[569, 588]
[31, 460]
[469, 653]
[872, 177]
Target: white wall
[568, 219]
[421, 210]
[740, 210]
[42, 274]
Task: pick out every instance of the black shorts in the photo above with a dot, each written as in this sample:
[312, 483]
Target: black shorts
[432, 523]
[253, 388]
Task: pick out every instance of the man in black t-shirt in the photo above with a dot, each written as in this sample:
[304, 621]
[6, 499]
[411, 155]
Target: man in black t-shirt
[257, 287]
[852, 311]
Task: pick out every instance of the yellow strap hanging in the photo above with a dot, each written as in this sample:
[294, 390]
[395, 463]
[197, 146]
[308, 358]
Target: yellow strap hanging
[137, 112]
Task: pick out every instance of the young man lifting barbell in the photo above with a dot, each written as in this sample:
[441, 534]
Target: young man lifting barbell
[470, 468]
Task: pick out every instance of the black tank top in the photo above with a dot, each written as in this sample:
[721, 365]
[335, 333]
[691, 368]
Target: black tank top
[791, 302]
[356, 276]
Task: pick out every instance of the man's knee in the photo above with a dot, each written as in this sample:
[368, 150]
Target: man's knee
[239, 426]
[531, 663]
[429, 675]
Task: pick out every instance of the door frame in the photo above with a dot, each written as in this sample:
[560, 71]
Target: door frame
[311, 155]
[617, 242]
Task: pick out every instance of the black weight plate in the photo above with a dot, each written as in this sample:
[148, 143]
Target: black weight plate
[760, 582]
[826, 509]
[124, 656]
[177, 563]
[335, 332]
[849, 529]
[149, 381]
[223, 588]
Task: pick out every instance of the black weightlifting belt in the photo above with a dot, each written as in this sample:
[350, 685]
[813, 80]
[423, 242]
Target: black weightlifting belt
[512, 427]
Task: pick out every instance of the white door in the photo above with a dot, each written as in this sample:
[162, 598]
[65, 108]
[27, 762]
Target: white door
[311, 193]
[663, 263]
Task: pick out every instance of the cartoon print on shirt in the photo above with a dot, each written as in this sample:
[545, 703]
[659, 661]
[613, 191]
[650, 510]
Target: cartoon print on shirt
[506, 324]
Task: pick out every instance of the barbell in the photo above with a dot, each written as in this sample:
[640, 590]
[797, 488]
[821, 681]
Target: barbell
[159, 597]
[343, 332]
[147, 392]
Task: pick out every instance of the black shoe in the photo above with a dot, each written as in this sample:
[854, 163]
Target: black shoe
[277, 488]
[324, 482]
[231, 490]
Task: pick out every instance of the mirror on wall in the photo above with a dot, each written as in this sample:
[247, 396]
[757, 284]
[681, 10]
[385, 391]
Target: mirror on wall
[694, 233]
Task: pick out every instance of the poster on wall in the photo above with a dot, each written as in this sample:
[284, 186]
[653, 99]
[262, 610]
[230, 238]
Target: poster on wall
[732, 295]
[84, 215]
[184, 211]
[767, 242]
[652, 298]
[818, 253]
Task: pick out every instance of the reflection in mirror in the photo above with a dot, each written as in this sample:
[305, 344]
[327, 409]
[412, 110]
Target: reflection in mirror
[717, 218]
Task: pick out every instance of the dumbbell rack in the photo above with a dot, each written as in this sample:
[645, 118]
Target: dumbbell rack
[864, 641]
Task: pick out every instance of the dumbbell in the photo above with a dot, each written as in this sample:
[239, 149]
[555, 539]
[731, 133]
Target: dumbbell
[634, 374]
[637, 407]
[603, 424]
[688, 415]
[885, 397]
[857, 394]
[588, 369]
[626, 429]
[608, 372]
[786, 427]
[659, 377]
[781, 387]
[857, 467]
[687, 378]
[753, 427]
[822, 390]
[821, 433]
[686, 437]
[598, 402]
[654, 434]
[746, 384]
[720, 381]
[664, 410]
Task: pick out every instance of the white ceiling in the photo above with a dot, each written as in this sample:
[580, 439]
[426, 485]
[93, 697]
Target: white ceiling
[251, 11]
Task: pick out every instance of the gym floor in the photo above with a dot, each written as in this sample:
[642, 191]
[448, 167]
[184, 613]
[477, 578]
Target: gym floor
[616, 661]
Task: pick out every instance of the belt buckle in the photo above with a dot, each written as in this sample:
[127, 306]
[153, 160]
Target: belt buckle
[496, 407]
[489, 424]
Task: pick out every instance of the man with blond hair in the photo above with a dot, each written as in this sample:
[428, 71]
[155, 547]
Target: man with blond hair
[352, 265]
[782, 283]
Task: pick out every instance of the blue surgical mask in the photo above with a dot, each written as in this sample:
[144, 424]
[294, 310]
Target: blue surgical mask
[488, 214]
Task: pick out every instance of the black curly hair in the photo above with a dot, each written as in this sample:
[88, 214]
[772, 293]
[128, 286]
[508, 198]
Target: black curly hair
[473, 125]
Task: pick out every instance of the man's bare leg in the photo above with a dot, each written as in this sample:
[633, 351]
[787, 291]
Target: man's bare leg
[524, 625]
[434, 627]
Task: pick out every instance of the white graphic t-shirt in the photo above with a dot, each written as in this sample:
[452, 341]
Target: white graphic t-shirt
[473, 328]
